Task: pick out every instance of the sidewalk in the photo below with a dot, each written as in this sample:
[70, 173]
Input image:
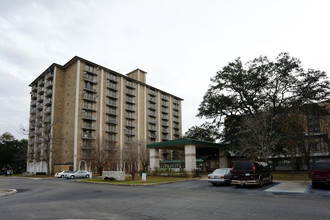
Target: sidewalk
[290, 187]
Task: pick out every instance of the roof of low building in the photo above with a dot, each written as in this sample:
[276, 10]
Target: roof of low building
[180, 143]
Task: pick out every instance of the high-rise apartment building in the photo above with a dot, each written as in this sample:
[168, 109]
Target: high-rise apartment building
[83, 102]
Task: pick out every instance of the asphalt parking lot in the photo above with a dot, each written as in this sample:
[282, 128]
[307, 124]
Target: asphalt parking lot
[298, 188]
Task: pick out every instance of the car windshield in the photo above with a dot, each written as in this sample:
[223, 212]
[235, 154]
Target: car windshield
[322, 166]
[243, 165]
[220, 171]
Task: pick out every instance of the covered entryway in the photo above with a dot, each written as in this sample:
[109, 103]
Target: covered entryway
[192, 150]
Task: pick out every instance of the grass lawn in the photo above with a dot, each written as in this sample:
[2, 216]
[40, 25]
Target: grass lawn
[129, 181]
[282, 175]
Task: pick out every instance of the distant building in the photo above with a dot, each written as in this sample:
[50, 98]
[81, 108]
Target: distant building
[82, 102]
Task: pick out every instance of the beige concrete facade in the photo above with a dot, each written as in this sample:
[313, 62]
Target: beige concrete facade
[82, 102]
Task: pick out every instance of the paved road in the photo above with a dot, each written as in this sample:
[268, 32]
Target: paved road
[68, 199]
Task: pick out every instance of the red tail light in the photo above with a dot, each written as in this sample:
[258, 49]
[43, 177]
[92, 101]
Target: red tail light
[208, 177]
[222, 177]
[254, 167]
[233, 167]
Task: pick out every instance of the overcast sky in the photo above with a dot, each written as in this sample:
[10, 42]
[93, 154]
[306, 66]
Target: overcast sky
[180, 44]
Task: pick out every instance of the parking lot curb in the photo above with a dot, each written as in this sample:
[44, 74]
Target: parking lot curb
[7, 192]
[143, 184]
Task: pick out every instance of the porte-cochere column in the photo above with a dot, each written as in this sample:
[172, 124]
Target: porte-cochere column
[190, 157]
[154, 158]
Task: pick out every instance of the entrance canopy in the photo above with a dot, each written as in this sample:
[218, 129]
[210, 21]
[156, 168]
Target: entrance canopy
[189, 146]
[179, 144]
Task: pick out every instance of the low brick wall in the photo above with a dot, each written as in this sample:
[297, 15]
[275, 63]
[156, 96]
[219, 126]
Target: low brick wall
[118, 175]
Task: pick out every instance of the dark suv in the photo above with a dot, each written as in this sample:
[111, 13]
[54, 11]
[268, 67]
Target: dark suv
[251, 173]
[321, 173]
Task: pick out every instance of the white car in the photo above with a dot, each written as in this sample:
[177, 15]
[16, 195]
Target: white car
[78, 174]
[62, 173]
[220, 176]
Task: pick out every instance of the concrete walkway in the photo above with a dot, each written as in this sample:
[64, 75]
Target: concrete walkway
[290, 187]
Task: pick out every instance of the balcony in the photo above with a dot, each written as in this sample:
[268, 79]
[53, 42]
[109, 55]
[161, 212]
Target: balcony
[88, 126]
[39, 107]
[176, 107]
[175, 119]
[130, 124]
[129, 132]
[112, 77]
[130, 116]
[130, 92]
[164, 130]
[33, 118]
[40, 98]
[111, 121]
[49, 84]
[165, 97]
[111, 138]
[152, 128]
[152, 113]
[49, 93]
[111, 129]
[41, 90]
[111, 111]
[153, 136]
[112, 103]
[165, 110]
[165, 137]
[177, 133]
[91, 69]
[152, 121]
[165, 117]
[130, 108]
[176, 113]
[48, 110]
[152, 92]
[41, 82]
[176, 126]
[34, 88]
[49, 75]
[89, 107]
[88, 116]
[90, 78]
[47, 119]
[112, 86]
[112, 95]
[164, 103]
[88, 136]
[90, 97]
[130, 100]
[32, 127]
[33, 111]
[130, 84]
[152, 106]
[89, 88]
[34, 95]
[152, 99]
[48, 101]
[165, 124]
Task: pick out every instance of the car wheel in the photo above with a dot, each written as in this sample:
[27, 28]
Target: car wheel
[72, 177]
[62, 176]
[87, 176]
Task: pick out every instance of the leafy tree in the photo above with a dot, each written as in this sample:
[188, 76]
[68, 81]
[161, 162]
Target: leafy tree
[205, 132]
[12, 152]
[241, 93]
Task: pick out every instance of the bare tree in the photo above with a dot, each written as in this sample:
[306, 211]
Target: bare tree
[131, 158]
[101, 154]
[258, 137]
[144, 156]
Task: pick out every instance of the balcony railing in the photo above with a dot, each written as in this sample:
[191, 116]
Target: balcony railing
[90, 107]
[88, 126]
[152, 113]
[112, 95]
[88, 116]
[111, 103]
[130, 108]
[176, 119]
[111, 129]
[131, 116]
[164, 103]
[88, 136]
[49, 84]
[152, 121]
[130, 100]
[49, 93]
[112, 86]
[130, 124]
[112, 77]
[111, 121]
[89, 88]
[49, 75]
[130, 84]
[130, 92]
[90, 97]
[129, 132]
[90, 78]
[152, 99]
[111, 111]
[152, 92]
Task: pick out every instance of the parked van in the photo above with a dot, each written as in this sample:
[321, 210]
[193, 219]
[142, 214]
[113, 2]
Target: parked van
[251, 173]
[321, 173]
